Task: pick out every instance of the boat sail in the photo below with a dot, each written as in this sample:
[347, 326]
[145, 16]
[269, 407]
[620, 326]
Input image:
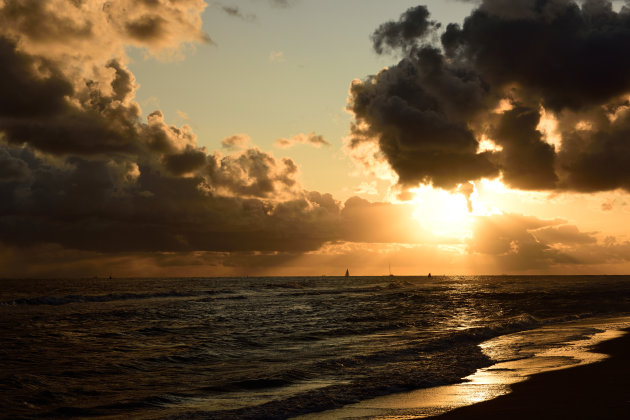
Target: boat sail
[347, 273]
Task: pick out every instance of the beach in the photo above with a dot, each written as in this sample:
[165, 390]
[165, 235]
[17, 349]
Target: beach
[596, 391]
[307, 347]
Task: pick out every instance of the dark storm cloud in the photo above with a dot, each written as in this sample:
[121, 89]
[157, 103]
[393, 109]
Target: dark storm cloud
[186, 161]
[24, 93]
[412, 26]
[526, 161]
[597, 159]
[418, 111]
[108, 205]
[428, 112]
[12, 168]
[561, 54]
[35, 107]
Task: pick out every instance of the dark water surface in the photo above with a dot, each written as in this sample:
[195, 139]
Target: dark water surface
[262, 347]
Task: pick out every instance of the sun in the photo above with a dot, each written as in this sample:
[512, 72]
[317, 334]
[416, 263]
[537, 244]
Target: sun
[443, 213]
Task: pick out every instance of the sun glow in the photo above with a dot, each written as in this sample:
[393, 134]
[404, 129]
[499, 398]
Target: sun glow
[443, 213]
[548, 126]
[487, 145]
[453, 214]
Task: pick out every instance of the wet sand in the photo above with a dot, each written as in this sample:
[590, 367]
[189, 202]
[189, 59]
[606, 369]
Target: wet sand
[596, 391]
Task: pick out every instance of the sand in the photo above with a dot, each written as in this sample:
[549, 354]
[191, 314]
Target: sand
[596, 391]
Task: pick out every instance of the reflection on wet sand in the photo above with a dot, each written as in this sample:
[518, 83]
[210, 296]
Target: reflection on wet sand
[525, 354]
[483, 385]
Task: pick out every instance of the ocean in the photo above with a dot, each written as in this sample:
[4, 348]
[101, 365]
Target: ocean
[279, 347]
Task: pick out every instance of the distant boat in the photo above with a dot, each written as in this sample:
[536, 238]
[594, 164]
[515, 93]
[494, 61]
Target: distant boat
[390, 271]
[347, 273]
[429, 276]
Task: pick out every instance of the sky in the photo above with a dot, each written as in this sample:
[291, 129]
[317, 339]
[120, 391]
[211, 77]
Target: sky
[143, 138]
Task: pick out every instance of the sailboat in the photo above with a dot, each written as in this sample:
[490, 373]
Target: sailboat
[347, 273]
[390, 271]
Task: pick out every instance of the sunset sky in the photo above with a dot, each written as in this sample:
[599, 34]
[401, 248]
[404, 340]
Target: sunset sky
[304, 137]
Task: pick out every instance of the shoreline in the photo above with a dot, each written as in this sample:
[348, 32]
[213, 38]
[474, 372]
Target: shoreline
[539, 353]
[599, 390]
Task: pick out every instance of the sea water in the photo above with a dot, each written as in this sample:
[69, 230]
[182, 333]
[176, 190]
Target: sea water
[280, 347]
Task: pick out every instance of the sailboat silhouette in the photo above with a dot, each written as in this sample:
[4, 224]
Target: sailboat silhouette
[347, 273]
